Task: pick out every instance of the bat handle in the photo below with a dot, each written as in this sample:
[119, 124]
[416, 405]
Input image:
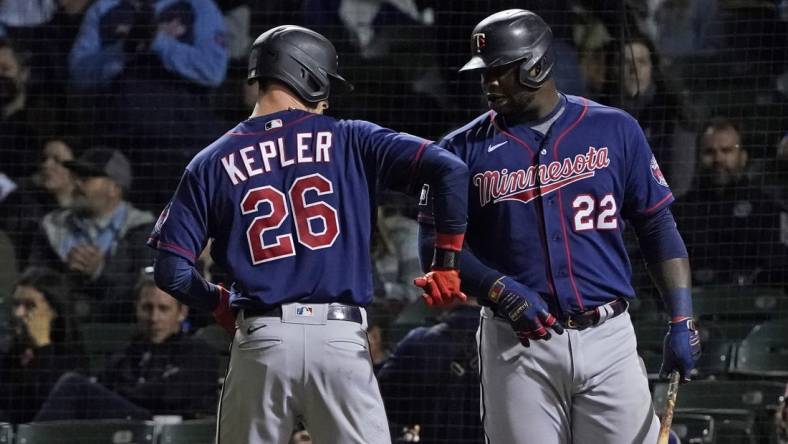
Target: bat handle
[670, 403]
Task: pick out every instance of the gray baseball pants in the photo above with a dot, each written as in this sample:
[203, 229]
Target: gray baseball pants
[582, 387]
[301, 368]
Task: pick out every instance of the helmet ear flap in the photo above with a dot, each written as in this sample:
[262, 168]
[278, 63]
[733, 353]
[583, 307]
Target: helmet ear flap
[528, 77]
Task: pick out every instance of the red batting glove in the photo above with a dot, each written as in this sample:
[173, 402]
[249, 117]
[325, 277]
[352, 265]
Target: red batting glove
[440, 287]
[223, 314]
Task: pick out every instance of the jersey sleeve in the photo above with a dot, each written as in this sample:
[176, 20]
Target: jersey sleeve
[404, 162]
[182, 228]
[425, 205]
[645, 189]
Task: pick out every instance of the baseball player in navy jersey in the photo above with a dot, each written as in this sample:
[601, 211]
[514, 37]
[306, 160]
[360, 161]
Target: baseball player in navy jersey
[287, 197]
[553, 178]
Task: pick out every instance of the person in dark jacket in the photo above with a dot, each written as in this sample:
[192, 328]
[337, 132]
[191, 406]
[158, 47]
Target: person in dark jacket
[430, 384]
[163, 371]
[736, 234]
[45, 344]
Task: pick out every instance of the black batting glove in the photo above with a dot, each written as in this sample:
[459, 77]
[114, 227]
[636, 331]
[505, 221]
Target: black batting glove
[525, 309]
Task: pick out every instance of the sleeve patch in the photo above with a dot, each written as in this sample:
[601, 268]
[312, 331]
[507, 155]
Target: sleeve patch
[656, 173]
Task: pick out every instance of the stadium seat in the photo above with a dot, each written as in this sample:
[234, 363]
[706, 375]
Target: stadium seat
[750, 303]
[742, 410]
[102, 339]
[6, 433]
[198, 431]
[715, 359]
[749, 395]
[694, 427]
[86, 432]
[764, 352]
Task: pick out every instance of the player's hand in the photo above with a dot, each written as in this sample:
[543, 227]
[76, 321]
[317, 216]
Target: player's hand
[526, 310]
[223, 314]
[440, 287]
[681, 349]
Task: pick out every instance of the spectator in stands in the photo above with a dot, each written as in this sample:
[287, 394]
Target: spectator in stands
[161, 372]
[684, 28]
[147, 68]
[396, 256]
[733, 230]
[50, 188]
[637, 87]
[17, 152]
[100, 240]
[432, 380]
[45, 344]
[380, 314]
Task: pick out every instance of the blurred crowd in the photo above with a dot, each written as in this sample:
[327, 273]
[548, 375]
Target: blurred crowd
[103, 102]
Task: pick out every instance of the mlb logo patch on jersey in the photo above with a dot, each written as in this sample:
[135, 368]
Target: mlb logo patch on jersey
[656, 173]
[304, 310]
[273, 124]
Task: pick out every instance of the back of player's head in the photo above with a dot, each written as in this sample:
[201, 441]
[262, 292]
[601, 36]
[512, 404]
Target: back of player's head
[300, 58]
[514, 36]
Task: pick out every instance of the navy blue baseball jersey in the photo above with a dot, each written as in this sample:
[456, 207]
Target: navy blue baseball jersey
[287, 199]
[549, 209]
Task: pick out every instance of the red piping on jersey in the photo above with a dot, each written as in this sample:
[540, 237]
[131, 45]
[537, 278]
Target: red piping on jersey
[561, 206]
[510, 135]
[177, 248]
[418, 155]
[657, 205]
[273, 130]
[548, 276]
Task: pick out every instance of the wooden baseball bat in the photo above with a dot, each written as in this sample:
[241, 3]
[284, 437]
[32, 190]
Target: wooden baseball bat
[670, 403]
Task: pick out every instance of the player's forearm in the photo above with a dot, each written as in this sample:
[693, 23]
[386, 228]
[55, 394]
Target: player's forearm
[179, 278]
[666, 256]
[673, 279]
[447, 177]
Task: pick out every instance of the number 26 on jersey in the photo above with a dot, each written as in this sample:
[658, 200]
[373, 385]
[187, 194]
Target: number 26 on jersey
[303, 214]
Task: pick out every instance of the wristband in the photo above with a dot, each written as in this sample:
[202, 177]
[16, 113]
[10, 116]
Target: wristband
[446, 259]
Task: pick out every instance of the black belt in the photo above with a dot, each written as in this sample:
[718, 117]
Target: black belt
[336, 312]
[595, 316]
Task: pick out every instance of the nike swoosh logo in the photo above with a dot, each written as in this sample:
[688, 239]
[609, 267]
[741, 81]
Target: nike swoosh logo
[492, 148]
[253, 329]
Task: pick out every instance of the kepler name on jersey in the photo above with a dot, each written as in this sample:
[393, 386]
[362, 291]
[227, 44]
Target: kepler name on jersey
[268, 154]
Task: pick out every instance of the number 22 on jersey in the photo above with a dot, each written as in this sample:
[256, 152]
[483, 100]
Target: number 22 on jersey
[303, 213]
[586, 205]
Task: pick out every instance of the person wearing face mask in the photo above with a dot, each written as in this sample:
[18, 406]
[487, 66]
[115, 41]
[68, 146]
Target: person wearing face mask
[162, 371]
[45, 344]
[736, 233]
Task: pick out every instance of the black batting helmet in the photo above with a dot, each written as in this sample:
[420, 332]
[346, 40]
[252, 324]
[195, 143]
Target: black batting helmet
[304, 60]
[510, 36]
